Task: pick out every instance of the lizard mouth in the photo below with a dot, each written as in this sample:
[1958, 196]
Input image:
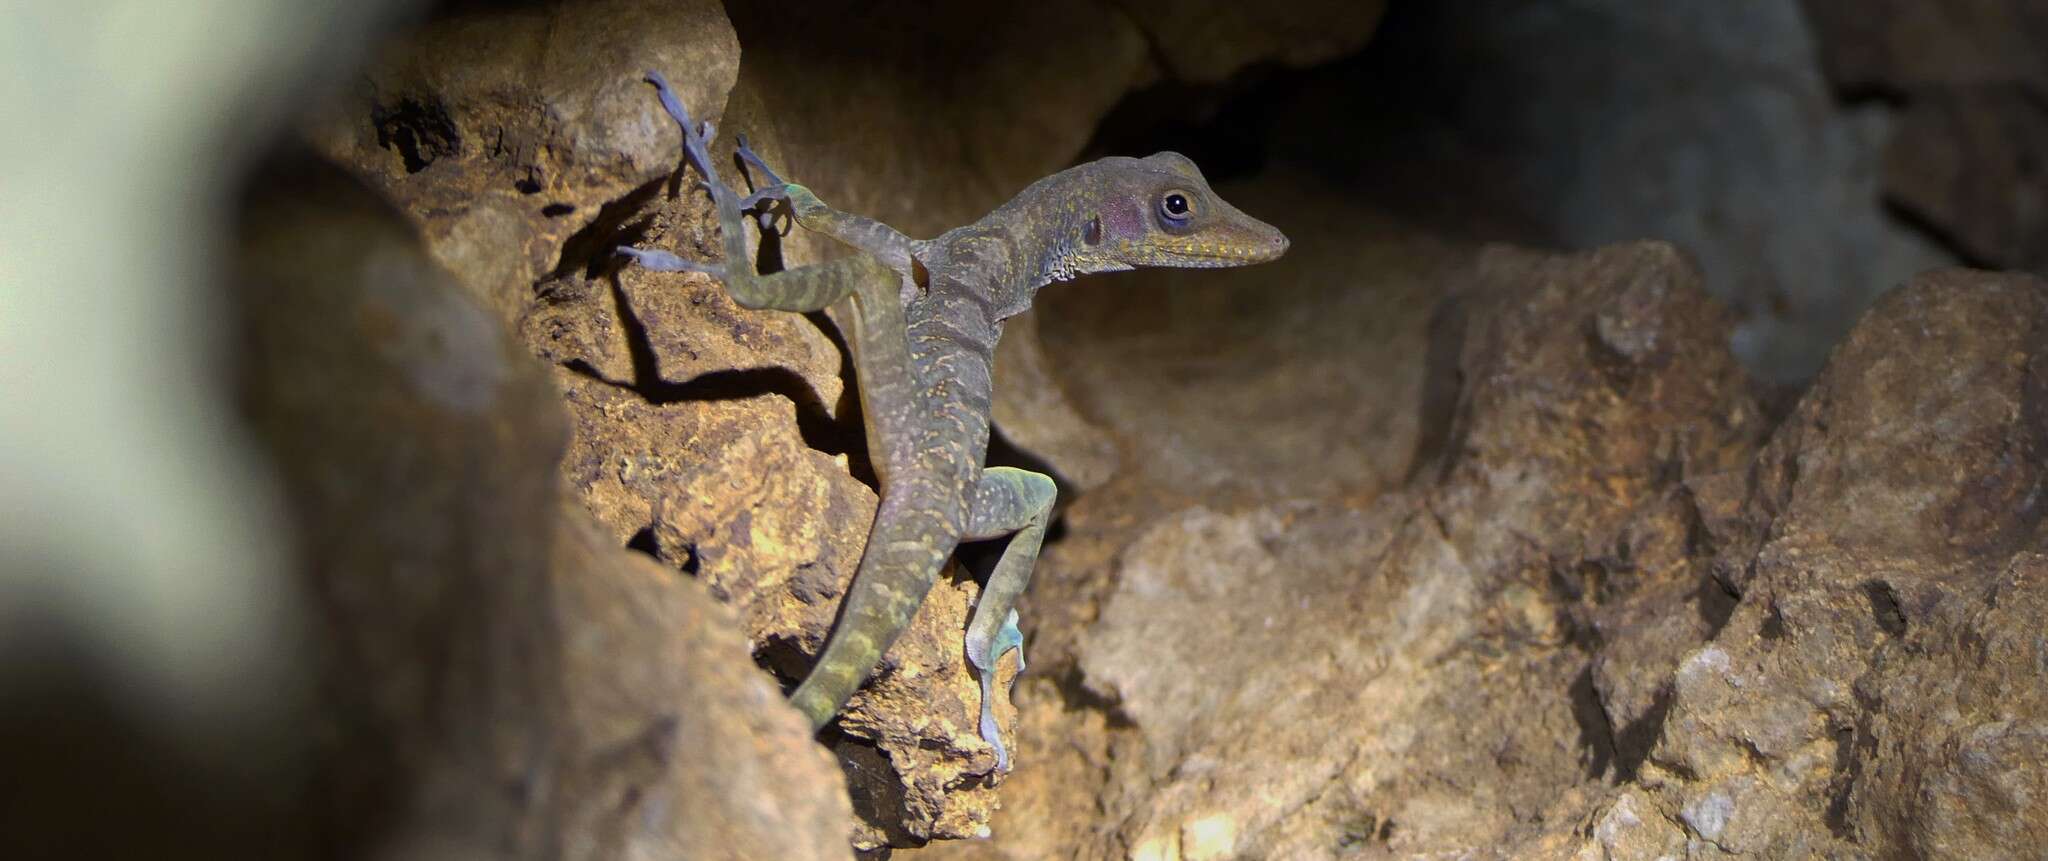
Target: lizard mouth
[1211, 256]
[1242, 244]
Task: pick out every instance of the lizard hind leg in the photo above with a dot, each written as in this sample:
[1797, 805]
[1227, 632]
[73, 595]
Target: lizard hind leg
[1017, 503]
[663, 261]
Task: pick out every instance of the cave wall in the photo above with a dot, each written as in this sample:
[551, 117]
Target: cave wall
[1598, 476]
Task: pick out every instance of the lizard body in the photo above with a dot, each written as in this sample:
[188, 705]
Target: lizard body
[926, 318]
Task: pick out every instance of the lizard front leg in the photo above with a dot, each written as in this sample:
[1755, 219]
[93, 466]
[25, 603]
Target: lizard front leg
[1017, 503]
[881, 349]
[872, 237]
[878, 240]
[917, 522]
[805, 289]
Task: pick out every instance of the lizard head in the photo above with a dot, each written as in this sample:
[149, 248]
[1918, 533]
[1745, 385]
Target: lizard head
[1159, 211]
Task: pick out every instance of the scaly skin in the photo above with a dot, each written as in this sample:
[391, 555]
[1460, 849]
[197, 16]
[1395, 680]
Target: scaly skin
[927, 315]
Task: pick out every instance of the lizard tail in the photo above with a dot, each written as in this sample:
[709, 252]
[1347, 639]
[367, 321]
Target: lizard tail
[902, 560]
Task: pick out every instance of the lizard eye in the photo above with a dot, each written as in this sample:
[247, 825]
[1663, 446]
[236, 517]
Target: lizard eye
[1176, 207]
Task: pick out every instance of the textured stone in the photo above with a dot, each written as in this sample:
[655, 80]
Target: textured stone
[504, 133]
[1503, 565]
[1574, 124]
[1909, 45]
[1272, 379]
[1618, 615]
[1972, 75]
[498, 678]
[1966, 163]
[1870, 662]
[1208, 41]
[1287, 671]
[673, 725]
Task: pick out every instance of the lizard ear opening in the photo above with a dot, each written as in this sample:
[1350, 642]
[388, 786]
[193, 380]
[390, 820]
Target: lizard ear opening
[1092, 233]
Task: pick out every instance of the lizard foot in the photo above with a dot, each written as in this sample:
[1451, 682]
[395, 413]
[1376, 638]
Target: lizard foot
[985, 657]
[773, 196]
[768, 202]
[696, 137]
[747, 154]
[662, 261]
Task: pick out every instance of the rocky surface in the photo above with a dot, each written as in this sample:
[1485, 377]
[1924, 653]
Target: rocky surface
[1621, 616]
[1262, 667]
[1272, 380]
[1761, 176]
[497, 677]
[725, 442]
[502, 134]
[1876, 689]
[1971, 75]
[1401, 547]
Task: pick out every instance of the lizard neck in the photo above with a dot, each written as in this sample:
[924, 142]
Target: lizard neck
[1045, 231]
[1010, 253]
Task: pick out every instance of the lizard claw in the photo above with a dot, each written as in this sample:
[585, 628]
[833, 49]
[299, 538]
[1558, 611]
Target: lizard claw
[752, 158]
[775, 196]
[768, 203]
[663, 261]
[773, 189]
[985, 657]
[696, 136]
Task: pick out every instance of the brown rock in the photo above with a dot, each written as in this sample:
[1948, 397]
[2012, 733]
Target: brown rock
[1823, 646]
[855, 88]
[1972, 74]
[1909, 45]
[498, 680]
[416, 447]
[1278, 379]
[866, 140]
[1303, 677]
[673, 724]
[1967, 163]
[1207, 42]
[504, 133]
[1869, 689]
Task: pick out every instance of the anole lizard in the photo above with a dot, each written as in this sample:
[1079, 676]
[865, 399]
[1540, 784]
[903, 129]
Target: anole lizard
[926, 317]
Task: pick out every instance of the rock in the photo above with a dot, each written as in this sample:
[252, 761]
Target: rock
[416, 446]
[674, 725]
[1872, 662]
[1966, 164]
[1907, 46]
[1618, 616]
[1208, 42]
[1271, 672]
[1971, 75]
[1462, 113]
[867, 142]
[682, 403]
[1174, 367]
[497, 678]
[504, 133]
